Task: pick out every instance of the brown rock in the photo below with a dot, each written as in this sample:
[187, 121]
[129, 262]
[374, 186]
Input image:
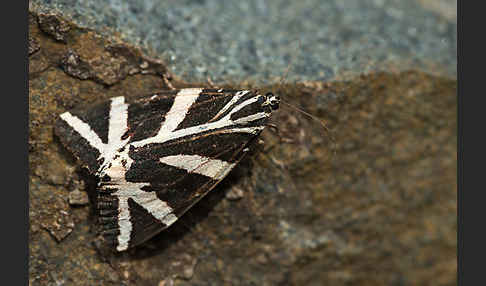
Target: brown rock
[54, 26]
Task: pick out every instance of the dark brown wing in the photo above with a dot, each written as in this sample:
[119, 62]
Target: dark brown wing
[156, 156]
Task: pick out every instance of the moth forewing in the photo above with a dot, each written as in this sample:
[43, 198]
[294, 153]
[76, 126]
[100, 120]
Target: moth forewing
[156, 156]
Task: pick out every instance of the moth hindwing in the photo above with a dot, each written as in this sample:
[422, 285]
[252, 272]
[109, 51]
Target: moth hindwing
[156, 156]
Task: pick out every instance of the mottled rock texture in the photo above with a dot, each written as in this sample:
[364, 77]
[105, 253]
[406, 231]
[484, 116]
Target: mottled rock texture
[254, 39]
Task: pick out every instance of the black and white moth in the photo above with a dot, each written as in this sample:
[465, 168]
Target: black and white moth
[157, 156]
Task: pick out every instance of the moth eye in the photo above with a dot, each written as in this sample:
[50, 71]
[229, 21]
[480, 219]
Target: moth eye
[261, 99]
[105, 178]
[125, 136]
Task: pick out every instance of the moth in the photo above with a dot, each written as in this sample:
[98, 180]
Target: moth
[156, 156]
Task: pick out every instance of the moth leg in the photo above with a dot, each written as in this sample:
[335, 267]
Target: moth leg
[276, 131]
[165, 78]
[274, 128]
[211, 83]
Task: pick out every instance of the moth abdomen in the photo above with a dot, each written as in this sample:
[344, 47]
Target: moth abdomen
[104, 212]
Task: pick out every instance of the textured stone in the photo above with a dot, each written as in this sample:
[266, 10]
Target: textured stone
[33, 45]
[54, 26]
[257, 40]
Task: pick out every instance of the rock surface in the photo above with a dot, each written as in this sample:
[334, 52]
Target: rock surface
[371, 201]
[241, 40]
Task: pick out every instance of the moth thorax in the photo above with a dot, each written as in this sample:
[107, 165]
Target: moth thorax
[271, 100]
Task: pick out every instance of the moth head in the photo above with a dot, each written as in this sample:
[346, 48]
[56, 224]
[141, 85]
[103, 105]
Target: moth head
[269, 99]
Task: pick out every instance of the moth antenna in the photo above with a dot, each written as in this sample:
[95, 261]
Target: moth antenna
[313, 117]
[282, 81]
[286, 73]
[287, 70]
[321, 122]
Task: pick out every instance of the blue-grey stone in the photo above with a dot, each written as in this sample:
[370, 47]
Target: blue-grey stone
[257, 40]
